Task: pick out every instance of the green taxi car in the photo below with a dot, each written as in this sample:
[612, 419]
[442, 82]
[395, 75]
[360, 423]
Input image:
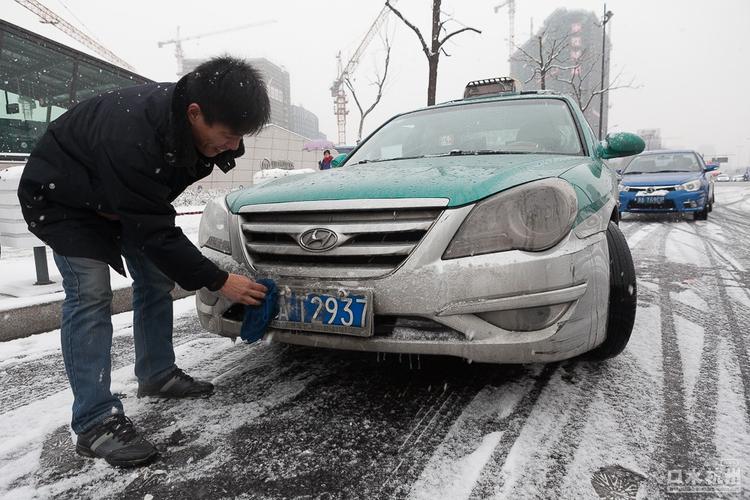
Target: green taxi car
[484, 228]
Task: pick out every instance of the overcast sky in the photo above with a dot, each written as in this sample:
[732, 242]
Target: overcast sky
[688, 58]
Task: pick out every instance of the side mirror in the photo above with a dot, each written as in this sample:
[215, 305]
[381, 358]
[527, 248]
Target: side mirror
[336, 162]
[710, 167]
[619, 145]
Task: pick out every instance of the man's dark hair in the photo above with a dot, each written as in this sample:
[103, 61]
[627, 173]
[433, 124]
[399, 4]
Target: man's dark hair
[327, 151]
[230, 92]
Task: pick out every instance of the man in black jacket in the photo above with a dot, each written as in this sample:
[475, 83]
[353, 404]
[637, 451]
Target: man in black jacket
[99, 185]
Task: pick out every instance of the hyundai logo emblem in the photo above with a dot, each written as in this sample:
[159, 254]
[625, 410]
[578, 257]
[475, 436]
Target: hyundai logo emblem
[318, 239]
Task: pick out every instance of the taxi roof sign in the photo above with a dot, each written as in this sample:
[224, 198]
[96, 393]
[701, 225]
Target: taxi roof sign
[489, 86]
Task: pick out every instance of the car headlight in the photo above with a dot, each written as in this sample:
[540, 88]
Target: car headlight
[534, 217]
[693, 185]
[213, 231]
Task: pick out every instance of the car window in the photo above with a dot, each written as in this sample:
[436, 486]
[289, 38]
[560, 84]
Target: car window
[520, 126]
[663, 163]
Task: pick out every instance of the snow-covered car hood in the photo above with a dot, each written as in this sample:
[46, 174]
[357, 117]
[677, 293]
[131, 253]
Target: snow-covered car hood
[460, 179]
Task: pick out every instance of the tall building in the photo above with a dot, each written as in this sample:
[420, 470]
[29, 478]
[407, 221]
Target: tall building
[577, 69]
[652, 138]
[283, 113]
[305, 123]
[279, 90]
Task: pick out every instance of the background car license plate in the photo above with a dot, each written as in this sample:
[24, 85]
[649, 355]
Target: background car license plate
[346, 312]
[652, 200]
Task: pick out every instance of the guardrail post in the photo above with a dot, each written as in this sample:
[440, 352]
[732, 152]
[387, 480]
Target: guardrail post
[40, 261]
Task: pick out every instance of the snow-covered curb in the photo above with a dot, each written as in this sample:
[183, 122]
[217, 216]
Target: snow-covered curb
[40, 318]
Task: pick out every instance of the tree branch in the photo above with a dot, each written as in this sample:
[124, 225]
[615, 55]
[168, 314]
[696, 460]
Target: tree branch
[529, 57]
[416, 30]
[441, 42]
[349, 85]
[381, 81]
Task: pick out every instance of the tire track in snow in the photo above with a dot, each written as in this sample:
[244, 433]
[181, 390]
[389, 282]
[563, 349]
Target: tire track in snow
[572, 395]
[735, 336]
[564, 450]
[30, 381]
[677, 435]
[733, 222]
[705, 390]
[491, 479]
[426, 435]
[637, 236]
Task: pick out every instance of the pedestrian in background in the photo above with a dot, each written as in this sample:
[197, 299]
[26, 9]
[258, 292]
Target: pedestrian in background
[99, 185]
[325, 163]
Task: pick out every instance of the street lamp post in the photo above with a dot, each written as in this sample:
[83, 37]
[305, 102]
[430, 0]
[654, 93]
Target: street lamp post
[605, 19]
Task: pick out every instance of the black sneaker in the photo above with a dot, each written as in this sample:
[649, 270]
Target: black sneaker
[177, 384]
[116, 441]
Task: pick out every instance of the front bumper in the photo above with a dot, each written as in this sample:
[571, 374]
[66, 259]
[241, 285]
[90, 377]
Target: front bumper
[452, 294]
[674, 201]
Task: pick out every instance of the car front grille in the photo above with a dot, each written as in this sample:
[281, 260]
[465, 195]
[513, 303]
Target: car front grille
[369, 242]
[652, 188]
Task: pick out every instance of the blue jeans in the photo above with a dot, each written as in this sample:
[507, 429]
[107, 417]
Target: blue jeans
[86, 331]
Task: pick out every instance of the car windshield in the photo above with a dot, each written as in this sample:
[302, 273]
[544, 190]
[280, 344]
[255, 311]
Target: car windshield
[521, 126]
[662, 163]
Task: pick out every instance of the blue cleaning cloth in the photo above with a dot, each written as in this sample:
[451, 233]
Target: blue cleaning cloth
[257, 318]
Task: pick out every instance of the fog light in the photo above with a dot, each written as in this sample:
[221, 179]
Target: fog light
[526, 320]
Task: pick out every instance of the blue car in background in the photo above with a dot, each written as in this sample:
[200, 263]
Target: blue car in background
[667, 181]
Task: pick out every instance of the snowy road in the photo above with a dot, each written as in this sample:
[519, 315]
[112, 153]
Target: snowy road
[295, 422]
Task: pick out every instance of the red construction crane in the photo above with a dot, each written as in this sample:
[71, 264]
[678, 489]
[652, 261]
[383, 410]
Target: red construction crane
[338, 91]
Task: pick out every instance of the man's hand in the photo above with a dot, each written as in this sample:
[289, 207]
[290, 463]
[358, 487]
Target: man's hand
[242, 289]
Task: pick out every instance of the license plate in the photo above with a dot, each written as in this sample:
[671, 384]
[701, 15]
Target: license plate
[651, 200]
[345, 312]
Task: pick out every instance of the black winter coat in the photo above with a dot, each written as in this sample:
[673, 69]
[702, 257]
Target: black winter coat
[127, 153]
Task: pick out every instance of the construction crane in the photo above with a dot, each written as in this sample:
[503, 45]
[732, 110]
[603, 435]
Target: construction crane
[338, 91]
[177, 40]
[511, 25]
[47, 16]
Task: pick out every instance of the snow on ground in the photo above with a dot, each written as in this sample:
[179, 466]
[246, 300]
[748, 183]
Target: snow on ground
[732, 429]
[690, 342]
[641, 234]
[733, 195]
[685, 248]
[740, 294]
[22, 431]
[456, 464]
[18, 272]
[689, 298]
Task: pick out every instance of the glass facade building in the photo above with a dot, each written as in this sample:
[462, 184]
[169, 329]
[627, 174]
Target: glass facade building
[40, 79]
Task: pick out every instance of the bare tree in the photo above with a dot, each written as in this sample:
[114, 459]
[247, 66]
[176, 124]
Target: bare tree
[435, 48]
[581, 84]
[549, 59]
[379, 83]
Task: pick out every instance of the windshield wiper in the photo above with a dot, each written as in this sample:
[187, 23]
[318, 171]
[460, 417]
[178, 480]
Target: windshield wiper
[455, 152]
[388, 159]
[470, 152]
